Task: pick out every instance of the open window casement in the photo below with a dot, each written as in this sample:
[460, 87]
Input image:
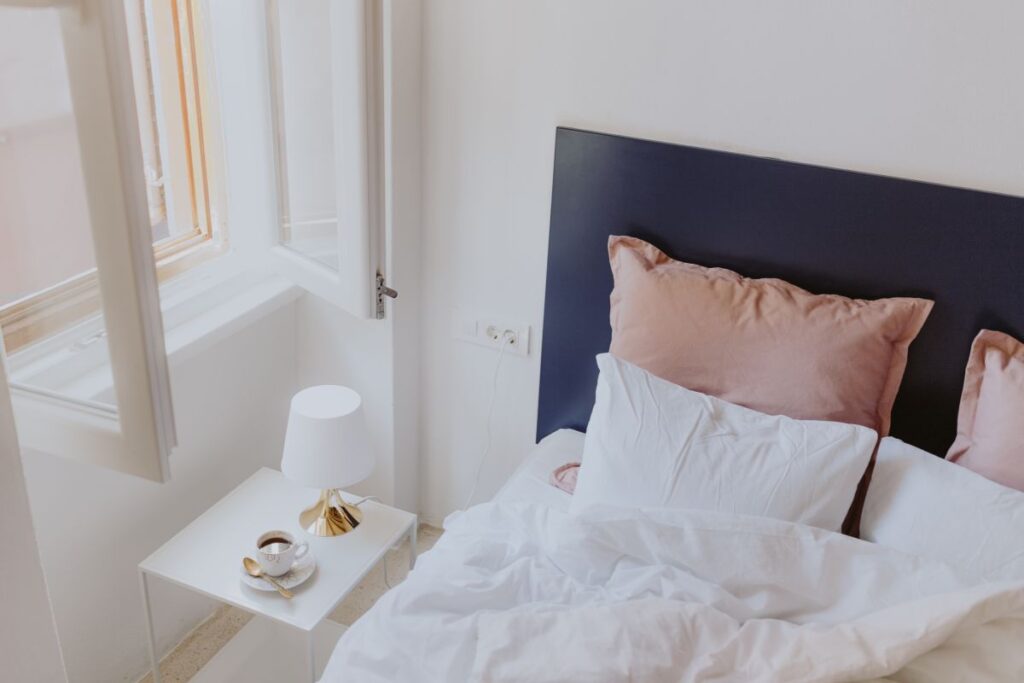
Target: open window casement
[325, 71]
[117, 411]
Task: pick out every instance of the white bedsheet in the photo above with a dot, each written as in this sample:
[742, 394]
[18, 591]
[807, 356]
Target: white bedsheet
[531, 482]
[525, 592]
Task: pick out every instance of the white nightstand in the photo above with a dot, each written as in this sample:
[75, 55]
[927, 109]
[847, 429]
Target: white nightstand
[206, 555]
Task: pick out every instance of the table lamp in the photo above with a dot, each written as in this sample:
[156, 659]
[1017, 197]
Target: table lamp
[327, 447]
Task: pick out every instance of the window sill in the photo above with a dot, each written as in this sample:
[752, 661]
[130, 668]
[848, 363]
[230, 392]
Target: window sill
[200, 308]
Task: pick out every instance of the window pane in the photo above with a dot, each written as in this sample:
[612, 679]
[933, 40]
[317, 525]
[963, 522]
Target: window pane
[45, 234]
[149, 125]
[44, 229]
[304, 117]
[163, 42]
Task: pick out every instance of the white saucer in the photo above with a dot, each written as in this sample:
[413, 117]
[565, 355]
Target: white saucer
[296, 576]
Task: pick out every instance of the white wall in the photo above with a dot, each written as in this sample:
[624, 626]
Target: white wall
[29, 648]
[928, 90]
[94, 526]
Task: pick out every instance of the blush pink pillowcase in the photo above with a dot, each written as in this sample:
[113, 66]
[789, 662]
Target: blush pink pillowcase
[761, 343]
[990, 428]
[764, 344]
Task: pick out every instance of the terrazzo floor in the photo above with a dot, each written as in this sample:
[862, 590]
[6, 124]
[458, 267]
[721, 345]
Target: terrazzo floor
[191, 654]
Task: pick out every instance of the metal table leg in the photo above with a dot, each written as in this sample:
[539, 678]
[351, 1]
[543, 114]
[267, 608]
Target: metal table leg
[311, 655]
[151, 637]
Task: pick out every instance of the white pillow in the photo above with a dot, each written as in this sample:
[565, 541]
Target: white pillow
[651, 443]
[921, 504]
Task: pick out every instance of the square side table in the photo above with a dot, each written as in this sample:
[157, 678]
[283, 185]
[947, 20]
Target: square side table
[206, 555]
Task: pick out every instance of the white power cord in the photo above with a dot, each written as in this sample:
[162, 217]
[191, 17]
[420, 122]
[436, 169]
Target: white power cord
[506, 337]
[387, 582]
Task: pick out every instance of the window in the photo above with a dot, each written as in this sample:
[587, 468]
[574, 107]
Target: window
[326, 74]
[80, 221]
[48, 278]
[111, 180]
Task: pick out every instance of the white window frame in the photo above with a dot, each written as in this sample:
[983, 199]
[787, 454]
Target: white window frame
[137, 436]
[358, 72]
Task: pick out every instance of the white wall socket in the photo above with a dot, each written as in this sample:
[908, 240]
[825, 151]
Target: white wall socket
[490, 332]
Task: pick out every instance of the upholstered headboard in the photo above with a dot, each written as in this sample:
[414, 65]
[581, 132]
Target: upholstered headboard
[826, 230]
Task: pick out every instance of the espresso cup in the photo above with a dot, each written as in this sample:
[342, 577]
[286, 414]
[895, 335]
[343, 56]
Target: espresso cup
[276, 551]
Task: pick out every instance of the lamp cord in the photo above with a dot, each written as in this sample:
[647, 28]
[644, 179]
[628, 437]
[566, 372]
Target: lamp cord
[505, 338]
[359, 502]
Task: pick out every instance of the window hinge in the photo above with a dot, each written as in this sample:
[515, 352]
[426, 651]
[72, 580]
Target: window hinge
[383, 291]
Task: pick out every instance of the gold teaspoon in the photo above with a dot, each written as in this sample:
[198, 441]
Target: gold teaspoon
[252, 568]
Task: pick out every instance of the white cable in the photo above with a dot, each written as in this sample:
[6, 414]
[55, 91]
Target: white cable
[505, 338]
[387, 581]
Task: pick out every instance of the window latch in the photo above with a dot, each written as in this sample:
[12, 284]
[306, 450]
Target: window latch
[383, 291]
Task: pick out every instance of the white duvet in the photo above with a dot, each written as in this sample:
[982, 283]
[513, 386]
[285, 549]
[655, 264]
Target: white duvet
[523, 592]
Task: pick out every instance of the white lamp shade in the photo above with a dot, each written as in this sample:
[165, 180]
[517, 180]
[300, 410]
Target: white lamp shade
[327, 445]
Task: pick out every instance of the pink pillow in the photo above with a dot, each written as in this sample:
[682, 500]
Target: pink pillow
[990, 428]
[762, 343]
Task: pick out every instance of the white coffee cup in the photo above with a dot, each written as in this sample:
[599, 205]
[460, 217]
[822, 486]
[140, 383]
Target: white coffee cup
[276, 551]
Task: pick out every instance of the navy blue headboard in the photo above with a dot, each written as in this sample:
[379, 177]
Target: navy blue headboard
[826, 230]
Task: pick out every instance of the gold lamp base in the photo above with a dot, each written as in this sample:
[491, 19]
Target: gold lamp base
[330, 516]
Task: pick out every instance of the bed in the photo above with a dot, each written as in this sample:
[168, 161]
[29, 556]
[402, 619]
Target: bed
[532, 480]
[525, 588]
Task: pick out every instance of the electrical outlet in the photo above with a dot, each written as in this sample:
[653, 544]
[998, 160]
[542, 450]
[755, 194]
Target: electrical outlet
[493, 333]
